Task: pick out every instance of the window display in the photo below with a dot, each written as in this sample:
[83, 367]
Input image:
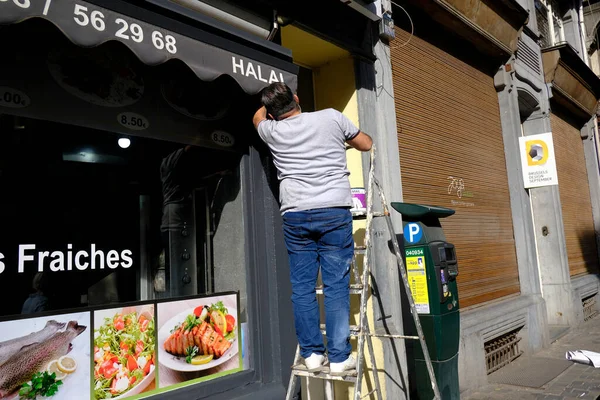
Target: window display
[78, 232]
[125, 197]
[121, 188]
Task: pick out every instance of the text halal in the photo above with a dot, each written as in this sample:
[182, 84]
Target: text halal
[249, 70]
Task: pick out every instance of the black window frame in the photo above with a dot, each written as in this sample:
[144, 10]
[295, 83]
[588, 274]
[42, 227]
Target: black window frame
[271, 337]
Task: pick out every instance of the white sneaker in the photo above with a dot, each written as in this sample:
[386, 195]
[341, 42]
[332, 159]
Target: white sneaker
[315, 362]
[341, 368]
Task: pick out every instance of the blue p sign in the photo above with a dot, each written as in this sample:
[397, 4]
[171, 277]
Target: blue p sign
[413, 233]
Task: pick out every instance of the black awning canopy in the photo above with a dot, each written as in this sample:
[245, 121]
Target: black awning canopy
[89, 25]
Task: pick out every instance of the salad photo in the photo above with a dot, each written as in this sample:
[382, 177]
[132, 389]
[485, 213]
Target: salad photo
[124, 352]
[197, 338]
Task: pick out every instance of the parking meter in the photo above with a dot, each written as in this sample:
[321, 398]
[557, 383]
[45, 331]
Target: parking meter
[432, 269]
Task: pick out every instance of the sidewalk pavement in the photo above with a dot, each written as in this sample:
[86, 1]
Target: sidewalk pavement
[576, 382]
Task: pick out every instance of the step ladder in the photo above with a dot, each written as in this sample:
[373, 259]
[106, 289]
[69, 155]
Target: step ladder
[360, 287]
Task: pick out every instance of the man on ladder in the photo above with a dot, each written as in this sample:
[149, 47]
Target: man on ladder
[309, 152]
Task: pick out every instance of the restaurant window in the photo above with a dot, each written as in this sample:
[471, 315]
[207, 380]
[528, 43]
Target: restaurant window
[123, 192]
[95, 223]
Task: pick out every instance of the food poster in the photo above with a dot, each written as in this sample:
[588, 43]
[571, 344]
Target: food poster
[198, 339]
[46, 357]
[124, 352]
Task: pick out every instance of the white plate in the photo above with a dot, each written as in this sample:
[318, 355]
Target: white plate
[139, 388]
[178, 363]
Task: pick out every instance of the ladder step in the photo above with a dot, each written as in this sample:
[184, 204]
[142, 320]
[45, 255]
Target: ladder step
[391, 333]
[359, 214]
[360, 249]
[300, 370]
[354, 329]
[354, 289]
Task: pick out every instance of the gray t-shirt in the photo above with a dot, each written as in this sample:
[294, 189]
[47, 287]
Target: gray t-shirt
[309, 152]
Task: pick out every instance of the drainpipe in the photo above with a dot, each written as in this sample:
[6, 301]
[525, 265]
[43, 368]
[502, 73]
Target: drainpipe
[550, 17]
[597, 139]
[583, 35]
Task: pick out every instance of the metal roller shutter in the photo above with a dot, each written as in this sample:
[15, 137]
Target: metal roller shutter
[452, 155]
[574, 197]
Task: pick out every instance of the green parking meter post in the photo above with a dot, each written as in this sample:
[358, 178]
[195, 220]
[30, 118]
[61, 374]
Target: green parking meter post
[432, 270]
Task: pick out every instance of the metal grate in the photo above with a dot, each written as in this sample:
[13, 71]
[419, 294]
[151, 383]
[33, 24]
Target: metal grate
[529, 56]
[589, 308]
[502, 350]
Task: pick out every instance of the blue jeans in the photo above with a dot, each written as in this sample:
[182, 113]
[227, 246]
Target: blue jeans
[321, 238]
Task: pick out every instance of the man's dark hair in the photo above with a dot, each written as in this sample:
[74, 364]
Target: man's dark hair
[278, 99]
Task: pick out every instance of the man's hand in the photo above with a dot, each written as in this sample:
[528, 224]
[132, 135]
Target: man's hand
[361, 142]
[259, 116]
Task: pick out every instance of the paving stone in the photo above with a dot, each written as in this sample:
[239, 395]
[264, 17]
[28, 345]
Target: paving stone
[578, 382]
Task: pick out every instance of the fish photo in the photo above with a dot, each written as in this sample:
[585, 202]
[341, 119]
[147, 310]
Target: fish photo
[124, 352]
[197, 338]
[46, 357]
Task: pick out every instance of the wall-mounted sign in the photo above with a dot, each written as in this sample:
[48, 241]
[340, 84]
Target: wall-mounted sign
[413, 233]
[538, 160]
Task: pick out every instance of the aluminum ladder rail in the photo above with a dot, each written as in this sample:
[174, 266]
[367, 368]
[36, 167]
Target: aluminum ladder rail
[361, 287]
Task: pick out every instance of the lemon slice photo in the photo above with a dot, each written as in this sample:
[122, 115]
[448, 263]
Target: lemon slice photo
[201, 360]
[67, 364]
[219, 320]
[53, 368]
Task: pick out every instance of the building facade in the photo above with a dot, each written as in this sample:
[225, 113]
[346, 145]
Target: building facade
[132, 178]
[470, 79]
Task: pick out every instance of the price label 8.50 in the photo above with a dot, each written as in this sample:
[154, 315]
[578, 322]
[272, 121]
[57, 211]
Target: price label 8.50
[222, 138]
[133, 121]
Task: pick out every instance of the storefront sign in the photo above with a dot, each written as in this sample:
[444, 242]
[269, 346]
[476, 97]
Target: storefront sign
[69, 260]
[538, 160]
[417, 278]
[89, 25]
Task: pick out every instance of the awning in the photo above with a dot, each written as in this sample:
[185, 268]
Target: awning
[89, 25]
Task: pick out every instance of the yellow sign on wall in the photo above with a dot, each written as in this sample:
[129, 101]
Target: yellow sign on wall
[538, 160]
[417, 279]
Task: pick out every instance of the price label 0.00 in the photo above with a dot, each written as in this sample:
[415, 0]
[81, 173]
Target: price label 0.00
[13, 98]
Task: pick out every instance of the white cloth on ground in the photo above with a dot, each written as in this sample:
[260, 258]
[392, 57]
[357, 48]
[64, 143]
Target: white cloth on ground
[584, 357]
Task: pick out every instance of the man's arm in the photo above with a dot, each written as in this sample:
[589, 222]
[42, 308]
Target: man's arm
[259, 116]
[362, 142]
